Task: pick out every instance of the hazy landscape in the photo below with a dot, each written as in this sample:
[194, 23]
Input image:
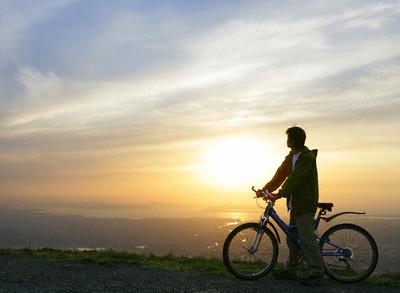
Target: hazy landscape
[185, 237]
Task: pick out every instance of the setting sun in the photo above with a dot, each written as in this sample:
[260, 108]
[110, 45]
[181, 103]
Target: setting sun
[234, 162]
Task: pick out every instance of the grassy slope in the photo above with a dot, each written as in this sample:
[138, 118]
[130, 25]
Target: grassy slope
[204, 265]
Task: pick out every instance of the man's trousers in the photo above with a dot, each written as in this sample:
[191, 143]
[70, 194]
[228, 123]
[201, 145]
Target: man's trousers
[309, 245]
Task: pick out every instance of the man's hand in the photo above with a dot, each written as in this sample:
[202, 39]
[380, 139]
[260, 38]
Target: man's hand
[260, 193]
[274, 196]
[266, 195]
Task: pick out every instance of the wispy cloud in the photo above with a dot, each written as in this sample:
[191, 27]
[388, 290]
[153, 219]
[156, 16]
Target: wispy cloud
[84, 83]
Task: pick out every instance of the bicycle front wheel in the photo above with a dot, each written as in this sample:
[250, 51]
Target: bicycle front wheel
[241, 256]
[349, 252]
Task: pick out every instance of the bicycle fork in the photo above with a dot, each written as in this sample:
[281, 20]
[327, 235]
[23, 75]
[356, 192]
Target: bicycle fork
[260, 232]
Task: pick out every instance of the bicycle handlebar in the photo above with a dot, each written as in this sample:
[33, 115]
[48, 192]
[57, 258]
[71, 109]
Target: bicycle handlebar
[265, 195]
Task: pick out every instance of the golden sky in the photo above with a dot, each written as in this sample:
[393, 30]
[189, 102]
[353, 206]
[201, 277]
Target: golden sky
[177, 109]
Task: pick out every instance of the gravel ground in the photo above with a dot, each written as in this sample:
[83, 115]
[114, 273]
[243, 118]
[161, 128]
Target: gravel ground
[32, 274]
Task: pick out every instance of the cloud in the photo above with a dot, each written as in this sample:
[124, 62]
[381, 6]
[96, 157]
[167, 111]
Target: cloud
[213, 65]
[84, 85]
[18, 16]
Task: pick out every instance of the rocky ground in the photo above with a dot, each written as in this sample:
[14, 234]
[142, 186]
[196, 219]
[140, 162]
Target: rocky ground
[33, 274]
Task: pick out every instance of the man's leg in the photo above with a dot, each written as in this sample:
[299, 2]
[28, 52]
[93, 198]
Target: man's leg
[289, 273]
[294, 251]
[309, 244]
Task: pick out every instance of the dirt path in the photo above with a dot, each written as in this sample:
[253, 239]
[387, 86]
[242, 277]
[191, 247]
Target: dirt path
[32, 274]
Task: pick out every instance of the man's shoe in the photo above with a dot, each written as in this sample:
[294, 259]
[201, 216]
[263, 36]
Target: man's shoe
[284, 275]
[313, 280]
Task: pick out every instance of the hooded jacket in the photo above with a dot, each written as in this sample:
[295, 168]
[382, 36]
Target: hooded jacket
[301, 183]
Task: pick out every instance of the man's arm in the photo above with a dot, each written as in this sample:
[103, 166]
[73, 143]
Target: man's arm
[280, 175]
[302, 170]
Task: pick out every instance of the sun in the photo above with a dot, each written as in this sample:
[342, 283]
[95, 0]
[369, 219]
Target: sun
[235, 162]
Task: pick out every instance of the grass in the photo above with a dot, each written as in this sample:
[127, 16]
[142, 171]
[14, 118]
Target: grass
[211, 266]
[208, 266]
[388, 279]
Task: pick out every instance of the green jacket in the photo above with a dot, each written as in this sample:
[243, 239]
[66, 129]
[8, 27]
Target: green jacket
[301, 183]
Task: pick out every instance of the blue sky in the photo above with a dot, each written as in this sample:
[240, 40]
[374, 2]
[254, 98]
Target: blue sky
[86, 83]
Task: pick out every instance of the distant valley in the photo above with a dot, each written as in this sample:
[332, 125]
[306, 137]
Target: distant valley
[189, 237]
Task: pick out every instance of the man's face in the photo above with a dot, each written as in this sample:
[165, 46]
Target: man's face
[289, 142]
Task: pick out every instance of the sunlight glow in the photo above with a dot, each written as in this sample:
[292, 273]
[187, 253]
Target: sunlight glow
[235, 162]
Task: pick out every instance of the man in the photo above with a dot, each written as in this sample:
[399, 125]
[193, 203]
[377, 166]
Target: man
[299, 176]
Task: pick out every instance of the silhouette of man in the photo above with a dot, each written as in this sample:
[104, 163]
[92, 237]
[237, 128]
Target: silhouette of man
[298, 173]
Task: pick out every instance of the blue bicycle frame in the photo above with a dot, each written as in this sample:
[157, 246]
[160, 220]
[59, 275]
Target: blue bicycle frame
[290, 230]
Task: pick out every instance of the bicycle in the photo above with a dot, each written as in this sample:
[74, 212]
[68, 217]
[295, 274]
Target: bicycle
[349, 252]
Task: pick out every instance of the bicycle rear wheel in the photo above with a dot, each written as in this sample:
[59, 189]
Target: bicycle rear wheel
[349, 252]
[241, 261]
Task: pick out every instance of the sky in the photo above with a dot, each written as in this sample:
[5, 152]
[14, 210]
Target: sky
[176, 108]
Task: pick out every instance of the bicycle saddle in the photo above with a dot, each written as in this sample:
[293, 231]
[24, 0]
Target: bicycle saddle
[325, 205]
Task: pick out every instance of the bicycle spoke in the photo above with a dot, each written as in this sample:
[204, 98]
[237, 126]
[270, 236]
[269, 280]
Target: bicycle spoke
[355, 260]
[244, 262]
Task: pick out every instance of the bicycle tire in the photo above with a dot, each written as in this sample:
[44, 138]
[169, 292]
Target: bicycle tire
[229, 263]
[372, 245]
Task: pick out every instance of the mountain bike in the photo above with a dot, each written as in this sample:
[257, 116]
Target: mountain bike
[349, 252]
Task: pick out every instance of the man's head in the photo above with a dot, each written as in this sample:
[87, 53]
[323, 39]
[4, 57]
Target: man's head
[296, 137]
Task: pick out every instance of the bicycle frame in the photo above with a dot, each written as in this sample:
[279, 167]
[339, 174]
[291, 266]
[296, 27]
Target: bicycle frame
[271, 213]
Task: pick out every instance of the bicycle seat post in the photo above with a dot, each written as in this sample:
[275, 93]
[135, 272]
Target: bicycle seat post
[322, 212]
